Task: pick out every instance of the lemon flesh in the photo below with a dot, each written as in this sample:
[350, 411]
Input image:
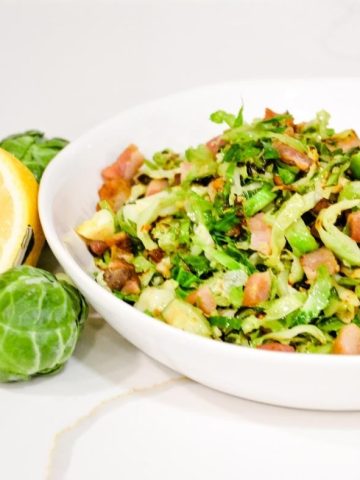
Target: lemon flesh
[21, 236]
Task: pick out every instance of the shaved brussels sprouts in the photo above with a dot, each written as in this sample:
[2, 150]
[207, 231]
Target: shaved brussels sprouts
[40, 321]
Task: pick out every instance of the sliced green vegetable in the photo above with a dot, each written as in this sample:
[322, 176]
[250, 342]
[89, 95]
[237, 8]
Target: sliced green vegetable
[355, 165]
[144, 211]
[220, 116]
[260, 200]
[226, 323]
[290, 211]
[317, 300]
[202, 163]
[181, 314]
[287, 175]
[281, 307]
[300, 238]
[291, 333]
[351, 191]
[155, 299]
[343, 246]
[198, 264]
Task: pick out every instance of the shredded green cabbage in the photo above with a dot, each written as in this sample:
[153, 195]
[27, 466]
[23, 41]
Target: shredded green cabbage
[246, 238]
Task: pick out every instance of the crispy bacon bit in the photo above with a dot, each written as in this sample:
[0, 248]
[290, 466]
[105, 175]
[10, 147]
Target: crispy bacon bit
[131, 287]
[312, 261]
[293, 157]
[345, 140]
[269, 114]
[126, 165]
[215, 144]
[115, 192]
[156, 255]
[121, 276]
[314, 231]
[348, 340]
[289, 122]
[234, 231]
[117, 254]
[257, 289]
[278, 181]
[177, 179]
[97, 247]
[118, 273]
[192, 297]
[156, 186]
[260, 234]
[204, 299]
[323, 203]
[120, 240]
[354, 226]
[276, 347]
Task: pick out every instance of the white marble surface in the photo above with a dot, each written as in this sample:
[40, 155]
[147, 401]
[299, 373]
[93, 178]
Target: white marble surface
[114, 413]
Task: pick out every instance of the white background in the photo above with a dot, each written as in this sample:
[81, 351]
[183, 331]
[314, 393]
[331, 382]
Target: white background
[65, 66]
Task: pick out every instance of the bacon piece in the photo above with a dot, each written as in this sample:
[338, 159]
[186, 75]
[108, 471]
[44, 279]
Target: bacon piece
[289, 122]
[291, 156]
[120, 240]
[177, 179]
[276, 347]
[97, 247]
[321, 204]
[260, 234]
[156, 255]
[354, 226]
[156, 186]
[126, 165]
[257, 289]
[269, 114]
[131, 287]
[118, 274]
[115, 192]
[312, 261]
[234, 231]
[204, 299]
[215, 144]
[192, 297]
[348, 340]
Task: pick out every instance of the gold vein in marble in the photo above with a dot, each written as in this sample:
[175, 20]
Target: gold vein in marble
[97, 410]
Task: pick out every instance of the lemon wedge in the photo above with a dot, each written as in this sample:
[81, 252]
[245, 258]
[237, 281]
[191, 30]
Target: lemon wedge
[21, 236]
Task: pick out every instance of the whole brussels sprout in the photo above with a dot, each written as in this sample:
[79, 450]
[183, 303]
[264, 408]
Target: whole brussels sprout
[40, 321]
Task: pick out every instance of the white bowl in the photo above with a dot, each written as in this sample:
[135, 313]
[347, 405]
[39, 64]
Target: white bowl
[68, 195]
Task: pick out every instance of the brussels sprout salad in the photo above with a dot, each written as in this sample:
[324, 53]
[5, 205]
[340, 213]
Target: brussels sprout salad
[250, 238]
